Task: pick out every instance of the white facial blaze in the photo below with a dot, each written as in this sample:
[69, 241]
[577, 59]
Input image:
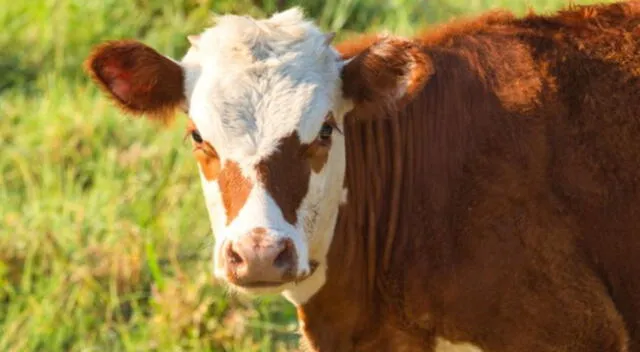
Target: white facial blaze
[320, 205]
[249, 84]
[320, 213]
[213, 198]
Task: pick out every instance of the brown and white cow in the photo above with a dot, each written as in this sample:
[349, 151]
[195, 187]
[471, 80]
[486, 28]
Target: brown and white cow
[475, 188]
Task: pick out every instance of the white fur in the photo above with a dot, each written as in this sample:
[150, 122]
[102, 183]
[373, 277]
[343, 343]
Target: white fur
[443, 345]
[300, 293]
[250, 83]
[260, 80]
[345, 196]
[320, 213]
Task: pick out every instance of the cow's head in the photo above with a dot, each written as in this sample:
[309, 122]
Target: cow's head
[267, 101]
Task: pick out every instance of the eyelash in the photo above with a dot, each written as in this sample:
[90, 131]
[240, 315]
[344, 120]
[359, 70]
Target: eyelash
[325, 132]
[195, 135]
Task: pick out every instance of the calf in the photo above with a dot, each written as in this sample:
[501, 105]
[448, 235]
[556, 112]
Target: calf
[474, 188]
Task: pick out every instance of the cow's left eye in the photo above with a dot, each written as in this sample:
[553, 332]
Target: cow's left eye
[325, 131]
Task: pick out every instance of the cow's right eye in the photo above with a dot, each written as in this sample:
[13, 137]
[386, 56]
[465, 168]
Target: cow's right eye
[195, 135]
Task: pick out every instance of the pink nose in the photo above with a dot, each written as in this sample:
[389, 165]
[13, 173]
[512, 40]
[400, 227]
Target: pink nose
[258, 259]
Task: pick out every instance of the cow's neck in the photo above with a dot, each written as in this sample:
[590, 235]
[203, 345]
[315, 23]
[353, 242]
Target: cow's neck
[342, 307]
[370, 235]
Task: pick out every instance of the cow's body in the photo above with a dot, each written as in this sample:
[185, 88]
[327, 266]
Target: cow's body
[518, 222]
[492, 177]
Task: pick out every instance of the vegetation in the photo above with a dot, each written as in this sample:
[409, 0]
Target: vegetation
[104, 238]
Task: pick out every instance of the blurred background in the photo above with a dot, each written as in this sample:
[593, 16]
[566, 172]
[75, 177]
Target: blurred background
[104, 237]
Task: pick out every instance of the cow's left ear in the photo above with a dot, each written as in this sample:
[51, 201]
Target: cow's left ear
[392, 70]
[139, 79]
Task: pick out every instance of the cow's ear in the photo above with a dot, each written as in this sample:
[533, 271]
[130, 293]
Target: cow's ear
[139, 79]
[392, 70]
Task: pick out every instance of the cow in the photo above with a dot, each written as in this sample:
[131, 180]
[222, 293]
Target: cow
[475, 187]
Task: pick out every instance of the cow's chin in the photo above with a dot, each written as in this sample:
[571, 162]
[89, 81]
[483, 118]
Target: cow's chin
[270, 288]
[258, 290]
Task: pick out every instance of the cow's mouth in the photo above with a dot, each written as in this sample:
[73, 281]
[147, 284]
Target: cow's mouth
[287, 279]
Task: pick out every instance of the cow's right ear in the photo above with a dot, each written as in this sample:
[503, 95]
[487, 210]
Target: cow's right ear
[138, 79]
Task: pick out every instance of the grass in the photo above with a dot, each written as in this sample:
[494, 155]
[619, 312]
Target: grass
[104, 238]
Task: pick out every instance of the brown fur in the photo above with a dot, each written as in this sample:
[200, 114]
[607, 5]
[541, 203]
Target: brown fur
[318, 154]
[374, 75]
[285, 175]
[205, 155]
[500, 206]
[208, 161]
[234, 188]
[137, 78]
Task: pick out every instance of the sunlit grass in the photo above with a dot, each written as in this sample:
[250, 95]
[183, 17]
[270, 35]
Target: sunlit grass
[104, 238]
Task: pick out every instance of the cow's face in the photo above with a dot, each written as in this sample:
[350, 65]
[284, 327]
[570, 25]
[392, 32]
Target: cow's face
[266, 115]
[266, 103]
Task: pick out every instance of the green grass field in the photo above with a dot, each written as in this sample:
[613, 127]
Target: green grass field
[104, 238]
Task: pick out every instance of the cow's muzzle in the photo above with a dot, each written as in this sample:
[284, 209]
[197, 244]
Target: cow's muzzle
[260, 260]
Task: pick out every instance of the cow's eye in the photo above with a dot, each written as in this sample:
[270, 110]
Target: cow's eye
[195, 135]
[325, 131]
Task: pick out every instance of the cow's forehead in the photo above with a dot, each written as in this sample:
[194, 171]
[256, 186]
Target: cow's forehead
[255, 82]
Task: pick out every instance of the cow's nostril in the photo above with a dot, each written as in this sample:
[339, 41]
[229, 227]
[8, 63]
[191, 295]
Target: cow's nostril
[285, 259]
[233, 257]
